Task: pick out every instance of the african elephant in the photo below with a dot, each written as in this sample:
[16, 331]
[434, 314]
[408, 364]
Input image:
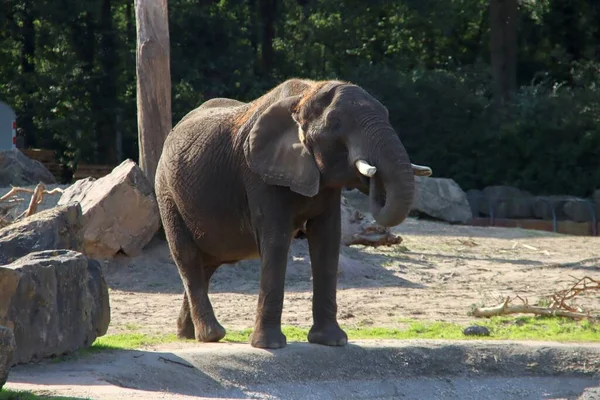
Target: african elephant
[237, 180]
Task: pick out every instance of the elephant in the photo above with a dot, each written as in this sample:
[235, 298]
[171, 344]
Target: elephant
[237, 181]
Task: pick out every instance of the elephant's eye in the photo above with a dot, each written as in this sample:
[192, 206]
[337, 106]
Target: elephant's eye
[334, 124]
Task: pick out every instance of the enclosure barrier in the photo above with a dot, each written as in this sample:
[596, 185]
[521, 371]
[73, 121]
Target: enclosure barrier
[552, 203]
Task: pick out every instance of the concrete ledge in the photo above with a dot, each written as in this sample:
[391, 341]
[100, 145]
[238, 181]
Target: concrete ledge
[363, 369]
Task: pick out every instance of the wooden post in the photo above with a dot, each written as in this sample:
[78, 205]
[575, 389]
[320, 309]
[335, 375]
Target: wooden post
[153, 82]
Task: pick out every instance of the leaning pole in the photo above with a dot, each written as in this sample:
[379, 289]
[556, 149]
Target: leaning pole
[153, 82]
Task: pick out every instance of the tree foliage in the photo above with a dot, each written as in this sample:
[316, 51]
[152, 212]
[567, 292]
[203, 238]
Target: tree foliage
[68, 69]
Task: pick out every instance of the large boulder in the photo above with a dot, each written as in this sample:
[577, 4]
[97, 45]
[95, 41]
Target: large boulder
[596, 200]
[56, 228]
[543, 206]
[19, 170]
[55, 301]
[120, 212]
[579, 210]
[7, 350]
[507, 202]
[477, 201]
[441, 198]
[357, 200]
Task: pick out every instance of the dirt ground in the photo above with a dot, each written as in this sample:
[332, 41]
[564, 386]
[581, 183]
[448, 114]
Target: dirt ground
[438, 273]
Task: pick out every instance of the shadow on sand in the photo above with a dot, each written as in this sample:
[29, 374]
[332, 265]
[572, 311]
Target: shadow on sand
[155, 272]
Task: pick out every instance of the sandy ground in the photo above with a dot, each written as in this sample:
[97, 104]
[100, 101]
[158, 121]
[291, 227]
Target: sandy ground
[438, 273]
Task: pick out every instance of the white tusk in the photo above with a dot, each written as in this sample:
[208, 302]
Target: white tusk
[365, 168]
[421, 170]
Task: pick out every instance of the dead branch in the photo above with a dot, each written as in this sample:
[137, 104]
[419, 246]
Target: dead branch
[558, 306]
[37, 198]
[14, 190]
[11, 201]
[506, 308]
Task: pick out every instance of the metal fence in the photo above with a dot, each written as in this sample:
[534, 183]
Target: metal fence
[552, 203]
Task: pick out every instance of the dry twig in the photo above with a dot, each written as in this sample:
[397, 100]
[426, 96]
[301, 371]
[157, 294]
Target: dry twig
[10, 201]
[558, 306]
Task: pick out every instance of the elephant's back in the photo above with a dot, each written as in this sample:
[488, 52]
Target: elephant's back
[200, 170]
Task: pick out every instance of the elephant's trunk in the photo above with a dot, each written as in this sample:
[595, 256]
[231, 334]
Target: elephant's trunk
[392, 186]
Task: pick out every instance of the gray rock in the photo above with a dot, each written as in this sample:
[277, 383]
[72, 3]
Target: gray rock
[441, 198]
[55, 301]
[507, 202]
[120, 212]
[56, 228]
[476, 198]
[7, 350]
[579, 210]
[358, 200]
[19, 170]
[543, 205]
[596, 199]
[476, 330]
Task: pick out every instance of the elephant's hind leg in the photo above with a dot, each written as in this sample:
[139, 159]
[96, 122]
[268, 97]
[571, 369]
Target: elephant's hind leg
[185, 324]
[196, 318]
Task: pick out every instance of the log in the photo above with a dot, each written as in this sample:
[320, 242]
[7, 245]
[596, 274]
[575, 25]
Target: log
[153, 82]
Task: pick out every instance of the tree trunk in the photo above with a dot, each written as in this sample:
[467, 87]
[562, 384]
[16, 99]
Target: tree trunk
[153, 82]
[268, 12]
[503, 25]
[28, 72]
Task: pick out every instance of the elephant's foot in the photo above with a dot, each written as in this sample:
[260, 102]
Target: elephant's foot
[210, 332]
[185, 328]
[268, 338]
[328, 335]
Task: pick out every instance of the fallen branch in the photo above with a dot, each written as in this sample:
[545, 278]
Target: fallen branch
[506, 308]
[11, 201]
[557, 307]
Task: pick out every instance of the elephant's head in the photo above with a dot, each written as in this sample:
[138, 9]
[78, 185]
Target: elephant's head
[335, 134]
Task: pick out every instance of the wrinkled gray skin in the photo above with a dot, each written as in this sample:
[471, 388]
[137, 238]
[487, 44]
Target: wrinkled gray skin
[238, 180]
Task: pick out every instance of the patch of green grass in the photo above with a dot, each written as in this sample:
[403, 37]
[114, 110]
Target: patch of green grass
[130, 341]
[501, 328]
[21, 395]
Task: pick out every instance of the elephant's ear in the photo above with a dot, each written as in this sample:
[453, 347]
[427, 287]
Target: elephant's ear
[273, 150]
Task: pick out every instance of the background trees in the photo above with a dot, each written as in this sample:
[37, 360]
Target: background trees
[68, 68]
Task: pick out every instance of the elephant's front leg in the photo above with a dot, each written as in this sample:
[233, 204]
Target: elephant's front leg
[323, 234]
[273, 235]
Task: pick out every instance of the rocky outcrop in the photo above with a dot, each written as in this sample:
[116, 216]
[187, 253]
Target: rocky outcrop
[19, 170]
[53, 229]
[120, 212]
[55, 301]
[7, 349]
[441, 198]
